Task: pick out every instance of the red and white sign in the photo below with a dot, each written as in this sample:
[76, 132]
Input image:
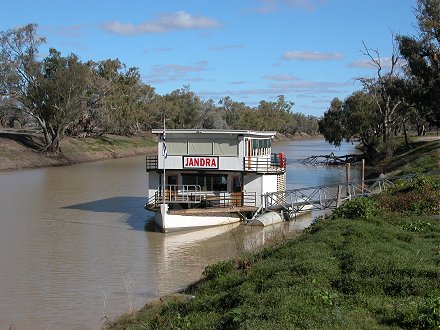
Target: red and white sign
[200, 162]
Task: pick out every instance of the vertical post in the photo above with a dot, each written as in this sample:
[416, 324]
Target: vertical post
[164, 158]
[338, 196]
[347, 179]
[363, 175]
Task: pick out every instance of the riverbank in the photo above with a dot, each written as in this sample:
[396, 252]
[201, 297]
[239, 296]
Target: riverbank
[21, 149]
[374, 264]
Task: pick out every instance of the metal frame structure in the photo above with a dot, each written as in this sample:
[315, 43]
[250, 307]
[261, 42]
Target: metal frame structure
[328, 197]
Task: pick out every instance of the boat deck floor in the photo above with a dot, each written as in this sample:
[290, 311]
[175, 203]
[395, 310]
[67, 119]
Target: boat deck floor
[214, 210]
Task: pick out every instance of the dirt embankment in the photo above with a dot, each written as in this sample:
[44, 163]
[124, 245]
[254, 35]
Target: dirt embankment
[19, 150]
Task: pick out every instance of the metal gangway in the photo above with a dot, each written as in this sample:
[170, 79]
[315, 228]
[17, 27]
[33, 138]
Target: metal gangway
[327, 197]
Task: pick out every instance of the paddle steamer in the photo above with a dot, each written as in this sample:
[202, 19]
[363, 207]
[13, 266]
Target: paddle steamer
[201, 177]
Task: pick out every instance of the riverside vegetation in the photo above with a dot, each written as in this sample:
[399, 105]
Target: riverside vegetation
[374, 263]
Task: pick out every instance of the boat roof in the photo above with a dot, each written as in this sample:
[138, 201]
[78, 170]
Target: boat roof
[266, 134]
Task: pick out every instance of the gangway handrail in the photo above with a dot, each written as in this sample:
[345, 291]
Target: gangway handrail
[329, 196]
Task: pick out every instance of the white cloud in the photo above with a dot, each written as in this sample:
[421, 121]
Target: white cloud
[173, 72]
[73, 31]
[226, 47]
[385, 62]
[312, 56]
[306, 4]
[280, 77]
[304, 84]
[241, 82]
[165, 23]
[301, 88]
[269, 6]
[157, 50]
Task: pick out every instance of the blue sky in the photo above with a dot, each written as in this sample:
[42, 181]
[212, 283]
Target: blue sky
[251, 50]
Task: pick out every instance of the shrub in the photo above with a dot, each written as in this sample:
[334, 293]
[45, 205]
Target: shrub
[421, 196]
[219, 269]
[363, 208]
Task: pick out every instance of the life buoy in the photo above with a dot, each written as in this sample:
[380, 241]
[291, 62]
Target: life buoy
[282, 160]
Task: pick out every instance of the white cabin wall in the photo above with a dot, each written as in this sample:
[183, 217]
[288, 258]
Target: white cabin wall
[152, 182]
[253, 183]
[269, 183]
[260, 184]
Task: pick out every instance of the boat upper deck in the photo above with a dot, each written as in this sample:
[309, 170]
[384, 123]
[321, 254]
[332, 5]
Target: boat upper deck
[216, 150]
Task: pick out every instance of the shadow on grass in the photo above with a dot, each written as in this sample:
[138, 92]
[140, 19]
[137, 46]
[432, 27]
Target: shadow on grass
[27, 140]
[421, 152]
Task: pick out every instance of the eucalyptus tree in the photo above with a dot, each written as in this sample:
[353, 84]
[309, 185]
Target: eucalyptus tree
[181, 108]
[362, 121]
[332, 125]
[122, 99]
[379, 86]
[307, 124]
[20, 73]
[11, 113]
[238, 115]
[62, 95]
[422, 55]
[212, 117]
[232, 111]
[355, 119]
[277, 115]
[52, 91]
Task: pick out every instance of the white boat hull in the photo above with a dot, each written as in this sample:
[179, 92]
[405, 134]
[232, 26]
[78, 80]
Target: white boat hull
[173, 222]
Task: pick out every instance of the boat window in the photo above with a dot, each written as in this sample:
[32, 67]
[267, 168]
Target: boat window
[200, 147]
[172, 179]
[208, 182]
[220, 182]
[261, 147]
[189, 179]
[226, 147]
[177, 147]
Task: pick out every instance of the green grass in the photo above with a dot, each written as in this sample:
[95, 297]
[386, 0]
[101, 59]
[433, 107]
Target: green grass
[381, 271]
[421, 157]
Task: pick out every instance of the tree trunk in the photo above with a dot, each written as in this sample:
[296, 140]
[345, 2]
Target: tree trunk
[55, 142]
[405, 134]
[54, 146]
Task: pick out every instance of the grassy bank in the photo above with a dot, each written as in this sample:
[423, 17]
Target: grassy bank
[375, 264]
[378, 269]
[421, 156]
[23, 150]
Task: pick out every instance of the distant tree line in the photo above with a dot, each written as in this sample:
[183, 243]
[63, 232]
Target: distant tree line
[403, 95]
[64, 96]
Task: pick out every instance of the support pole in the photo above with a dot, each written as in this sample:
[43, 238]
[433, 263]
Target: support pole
[164, 158]
[338, 196]
[347, 179]
[363, 176]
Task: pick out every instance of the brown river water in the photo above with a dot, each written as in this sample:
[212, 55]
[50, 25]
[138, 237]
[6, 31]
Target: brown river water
[77, 247]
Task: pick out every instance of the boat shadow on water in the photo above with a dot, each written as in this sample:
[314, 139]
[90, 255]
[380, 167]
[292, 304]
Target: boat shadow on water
[132, 209]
